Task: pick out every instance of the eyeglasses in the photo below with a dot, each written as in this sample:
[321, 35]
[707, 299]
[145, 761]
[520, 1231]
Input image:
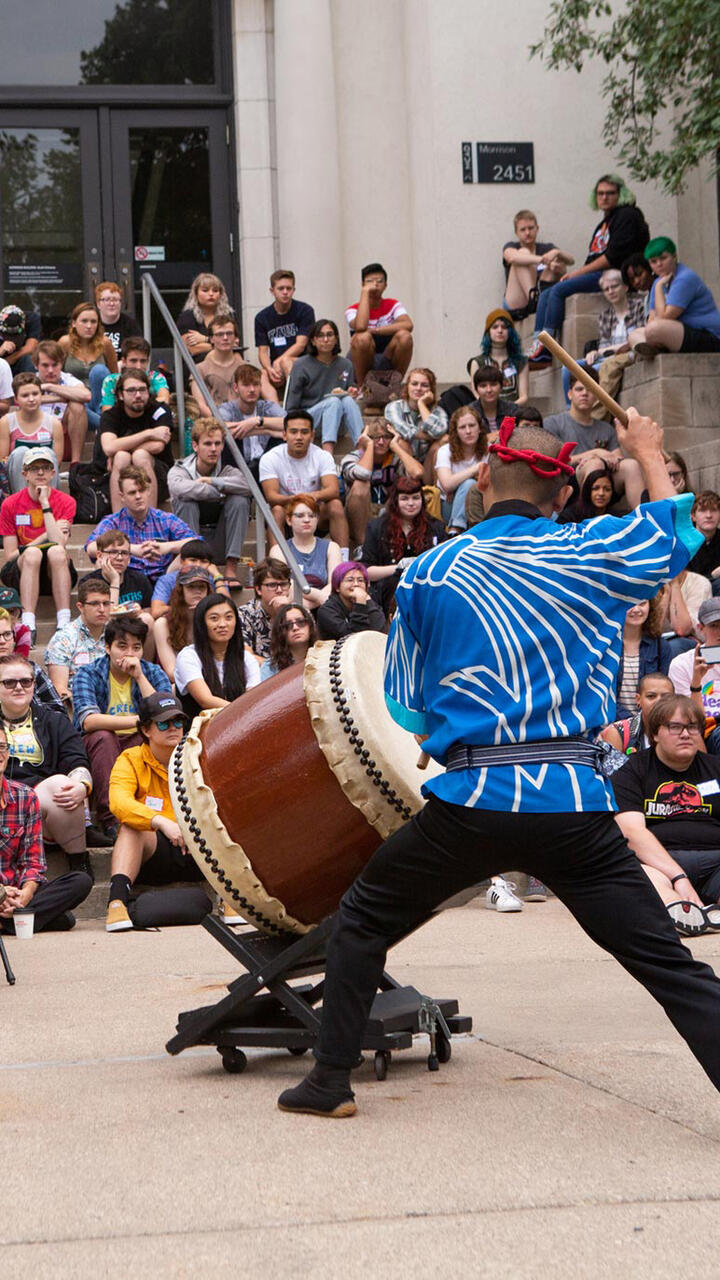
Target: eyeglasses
[354, 581]
[22, 682]
[98, 604]
[296, 622]
[4, 749]
[605, 191]
[325, 335]
[6, 635]
[275, 586]
[118, 554]
[676, 727]
[177, 723]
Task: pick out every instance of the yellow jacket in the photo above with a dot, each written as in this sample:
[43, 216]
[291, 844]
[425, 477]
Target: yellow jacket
[139, 788]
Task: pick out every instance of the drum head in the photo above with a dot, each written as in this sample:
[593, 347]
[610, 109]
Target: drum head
[374, 760]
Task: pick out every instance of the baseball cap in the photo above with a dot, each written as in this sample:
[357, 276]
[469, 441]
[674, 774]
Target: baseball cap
[9, 598]
[159, 706]
[38, 454]
[198, 574]
[709, 610]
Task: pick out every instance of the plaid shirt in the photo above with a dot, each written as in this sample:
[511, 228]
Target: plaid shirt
[255, 626]
[608, 318]
[22, 856]
[161, 525]
[45, 692]
[91, 688]
[73, 646]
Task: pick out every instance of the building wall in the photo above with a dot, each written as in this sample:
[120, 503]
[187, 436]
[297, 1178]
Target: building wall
[363, 105]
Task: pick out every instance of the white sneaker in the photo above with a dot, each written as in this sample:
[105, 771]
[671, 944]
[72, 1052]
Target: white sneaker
[500, 897]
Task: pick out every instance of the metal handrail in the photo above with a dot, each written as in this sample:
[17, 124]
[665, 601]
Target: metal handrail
[263, 513]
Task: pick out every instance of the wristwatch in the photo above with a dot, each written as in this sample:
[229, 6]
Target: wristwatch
[261, 422]
[695, 688]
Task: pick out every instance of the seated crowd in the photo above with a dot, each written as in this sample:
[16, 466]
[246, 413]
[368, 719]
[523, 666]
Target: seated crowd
[157, 637]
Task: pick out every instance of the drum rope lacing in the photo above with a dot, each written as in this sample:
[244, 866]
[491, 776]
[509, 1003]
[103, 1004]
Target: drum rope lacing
[351, 729]
[230, 891]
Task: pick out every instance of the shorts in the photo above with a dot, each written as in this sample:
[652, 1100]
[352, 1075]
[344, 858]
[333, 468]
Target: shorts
[698, 340]
[168, 864]
[703, 868]
[10, 573]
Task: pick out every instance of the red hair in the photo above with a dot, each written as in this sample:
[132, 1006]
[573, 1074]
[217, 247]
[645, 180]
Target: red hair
[418, 539]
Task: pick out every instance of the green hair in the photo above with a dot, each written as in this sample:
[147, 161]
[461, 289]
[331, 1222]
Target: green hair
[661, 244]
[625, 197]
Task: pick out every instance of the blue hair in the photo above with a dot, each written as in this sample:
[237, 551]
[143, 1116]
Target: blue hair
[514, 347]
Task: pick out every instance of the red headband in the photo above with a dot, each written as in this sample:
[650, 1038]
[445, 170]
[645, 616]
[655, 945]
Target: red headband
[555, 467]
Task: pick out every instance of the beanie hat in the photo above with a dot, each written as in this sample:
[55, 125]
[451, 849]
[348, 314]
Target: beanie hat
[661, 244]
[498, 314]
[347, 566]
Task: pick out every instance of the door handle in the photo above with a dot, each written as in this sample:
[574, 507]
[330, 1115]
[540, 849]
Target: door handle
[124, 271]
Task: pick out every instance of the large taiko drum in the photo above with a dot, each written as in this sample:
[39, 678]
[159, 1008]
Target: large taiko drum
[283, 796]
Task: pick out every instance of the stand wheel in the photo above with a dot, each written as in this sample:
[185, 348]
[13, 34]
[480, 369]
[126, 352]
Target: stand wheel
[443, 1047]
[382, 1060]
[433, 1062]
[297, 1051]
[233, 1060]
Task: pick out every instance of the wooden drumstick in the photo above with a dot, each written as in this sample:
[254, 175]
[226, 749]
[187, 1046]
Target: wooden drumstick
[423, 760]
[583, 376]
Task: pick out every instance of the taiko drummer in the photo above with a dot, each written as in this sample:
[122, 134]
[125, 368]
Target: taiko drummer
[503, 656]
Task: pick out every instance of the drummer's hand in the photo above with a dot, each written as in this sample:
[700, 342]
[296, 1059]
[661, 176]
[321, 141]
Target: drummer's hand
[169, 829]
[641, 438]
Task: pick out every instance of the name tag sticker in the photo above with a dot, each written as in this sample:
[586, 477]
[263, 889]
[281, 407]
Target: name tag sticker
[82, 659]
[22, 519]
[154, 802]
[709, 788]
[159, 413]
[280, 341]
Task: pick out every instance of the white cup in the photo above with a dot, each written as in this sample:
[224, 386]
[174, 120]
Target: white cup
[24, 922]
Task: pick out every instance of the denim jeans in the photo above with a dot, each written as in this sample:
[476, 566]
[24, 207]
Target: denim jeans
[98, 374]
[551, 303]
[457, 519]
[330, 412]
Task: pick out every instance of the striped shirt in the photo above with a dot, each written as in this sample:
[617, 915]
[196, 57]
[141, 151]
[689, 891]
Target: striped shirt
[512, 633]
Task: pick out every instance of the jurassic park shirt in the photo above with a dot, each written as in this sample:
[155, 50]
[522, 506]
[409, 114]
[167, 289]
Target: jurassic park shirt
[681, 808]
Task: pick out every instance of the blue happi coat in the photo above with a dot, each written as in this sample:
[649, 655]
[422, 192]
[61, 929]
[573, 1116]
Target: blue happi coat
[512, 632]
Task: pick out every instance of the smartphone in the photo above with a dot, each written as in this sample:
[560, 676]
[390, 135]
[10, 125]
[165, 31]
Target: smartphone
[710, 653]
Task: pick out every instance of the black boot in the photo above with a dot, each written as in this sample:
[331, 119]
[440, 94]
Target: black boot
[81, 862]
[324, 1092]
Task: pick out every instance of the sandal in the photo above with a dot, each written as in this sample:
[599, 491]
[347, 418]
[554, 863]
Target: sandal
[687, 918]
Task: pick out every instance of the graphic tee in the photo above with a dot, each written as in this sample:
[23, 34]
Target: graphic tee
[680, 807]
[278, 332]
[120, 701]
[23, 742]
[22, 517]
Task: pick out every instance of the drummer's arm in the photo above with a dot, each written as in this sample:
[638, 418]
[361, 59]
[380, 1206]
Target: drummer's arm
[200, 691]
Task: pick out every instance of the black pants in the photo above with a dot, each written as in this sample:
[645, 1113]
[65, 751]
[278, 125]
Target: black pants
[582, 857]
[53, 898]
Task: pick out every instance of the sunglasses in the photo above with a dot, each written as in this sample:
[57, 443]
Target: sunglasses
[22, 682]
[177, 723]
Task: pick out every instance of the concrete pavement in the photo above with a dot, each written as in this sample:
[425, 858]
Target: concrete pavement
[571, 1135]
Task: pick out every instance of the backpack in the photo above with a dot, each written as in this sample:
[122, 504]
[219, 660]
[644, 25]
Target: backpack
[380, 386]
[91, 490]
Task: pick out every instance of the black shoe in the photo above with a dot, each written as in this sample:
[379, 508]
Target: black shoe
[98, 839]
[62, 923]
[81, 862]
[312, 1099]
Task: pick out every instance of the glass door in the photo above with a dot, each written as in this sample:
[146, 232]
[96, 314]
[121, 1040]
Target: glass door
[106, 194]
[171, 208]
[50, 214]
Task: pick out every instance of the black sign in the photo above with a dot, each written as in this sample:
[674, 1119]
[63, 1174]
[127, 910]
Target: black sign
[43, 275]
[500, 162]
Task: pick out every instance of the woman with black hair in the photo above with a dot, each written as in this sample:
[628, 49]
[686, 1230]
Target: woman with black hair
[397, 537]
[215, 669]
[322, 382]
[292, 634]
[596, 498]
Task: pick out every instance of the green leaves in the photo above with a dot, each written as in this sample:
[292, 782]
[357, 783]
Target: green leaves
[662, 88]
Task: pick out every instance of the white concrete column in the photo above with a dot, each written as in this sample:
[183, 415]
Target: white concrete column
[253, 106]
[308, 188]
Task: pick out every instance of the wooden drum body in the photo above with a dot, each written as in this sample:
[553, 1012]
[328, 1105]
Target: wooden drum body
[284, 796]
